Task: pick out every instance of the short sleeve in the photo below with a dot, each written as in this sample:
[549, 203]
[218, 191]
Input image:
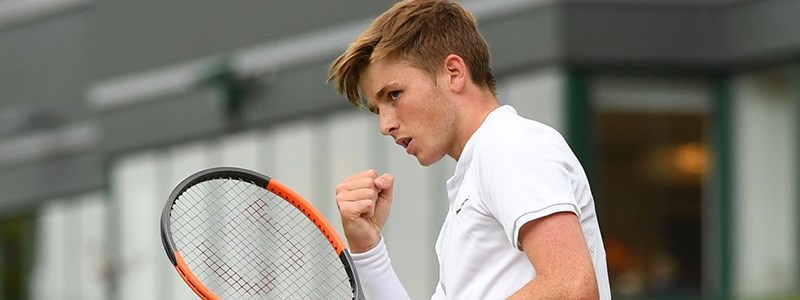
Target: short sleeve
[524, 177]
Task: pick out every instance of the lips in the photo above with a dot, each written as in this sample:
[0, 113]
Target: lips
[404, 142]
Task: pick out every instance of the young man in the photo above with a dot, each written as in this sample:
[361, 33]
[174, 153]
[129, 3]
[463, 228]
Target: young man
[522, 222]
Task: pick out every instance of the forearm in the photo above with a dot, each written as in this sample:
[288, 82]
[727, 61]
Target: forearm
[377, 276]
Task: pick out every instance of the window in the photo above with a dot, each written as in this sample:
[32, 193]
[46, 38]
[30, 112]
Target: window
[649, 163]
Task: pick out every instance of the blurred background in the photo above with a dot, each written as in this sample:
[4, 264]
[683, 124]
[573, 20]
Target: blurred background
[685, 114]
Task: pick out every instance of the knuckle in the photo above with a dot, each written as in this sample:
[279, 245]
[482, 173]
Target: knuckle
[344, 197]
[367, 181]
[368, 205]
[340, 188]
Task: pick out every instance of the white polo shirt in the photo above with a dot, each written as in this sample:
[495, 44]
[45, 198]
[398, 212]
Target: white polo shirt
[511, 171]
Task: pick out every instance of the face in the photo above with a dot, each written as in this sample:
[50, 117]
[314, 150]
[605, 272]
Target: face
[413, 109]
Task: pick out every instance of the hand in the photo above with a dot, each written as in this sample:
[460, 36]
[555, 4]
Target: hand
[364, 200]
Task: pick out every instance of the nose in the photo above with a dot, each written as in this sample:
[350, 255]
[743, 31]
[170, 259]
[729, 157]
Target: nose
[388, 122]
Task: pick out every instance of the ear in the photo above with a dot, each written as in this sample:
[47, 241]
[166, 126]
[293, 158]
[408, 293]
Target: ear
[456, 71]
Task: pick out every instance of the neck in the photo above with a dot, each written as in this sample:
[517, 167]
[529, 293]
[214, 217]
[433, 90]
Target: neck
[474, 111]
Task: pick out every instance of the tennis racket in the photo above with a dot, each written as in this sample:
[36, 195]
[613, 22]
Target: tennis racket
[236, 234]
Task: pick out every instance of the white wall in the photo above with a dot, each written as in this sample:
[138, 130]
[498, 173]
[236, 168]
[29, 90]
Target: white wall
[765, 183]
[138, 190]
[537, 94]
[71, 256]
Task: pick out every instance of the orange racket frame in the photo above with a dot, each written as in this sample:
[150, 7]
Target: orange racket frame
[272, 186]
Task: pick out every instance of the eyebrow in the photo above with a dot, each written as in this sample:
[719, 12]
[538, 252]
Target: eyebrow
[381, 92]
[386, 87]
[379, 95]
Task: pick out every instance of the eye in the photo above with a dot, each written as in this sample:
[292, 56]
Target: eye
[393, 95]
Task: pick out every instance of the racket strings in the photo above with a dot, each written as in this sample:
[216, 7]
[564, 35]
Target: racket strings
[244, 242]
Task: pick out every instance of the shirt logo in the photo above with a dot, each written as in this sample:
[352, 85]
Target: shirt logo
[462, 205]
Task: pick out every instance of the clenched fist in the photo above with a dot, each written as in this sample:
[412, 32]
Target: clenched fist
[364, 200]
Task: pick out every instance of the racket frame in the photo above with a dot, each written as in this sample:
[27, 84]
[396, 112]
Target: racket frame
[271, 185]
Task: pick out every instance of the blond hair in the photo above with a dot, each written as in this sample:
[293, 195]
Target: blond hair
[420, 32]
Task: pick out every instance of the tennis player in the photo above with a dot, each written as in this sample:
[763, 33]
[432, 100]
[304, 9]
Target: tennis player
[522, 222]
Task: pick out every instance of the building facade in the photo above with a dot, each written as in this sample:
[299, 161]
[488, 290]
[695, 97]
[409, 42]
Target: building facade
[685, 114]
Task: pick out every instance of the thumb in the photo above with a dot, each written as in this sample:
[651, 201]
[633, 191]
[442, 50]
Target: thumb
[384, 202]
[386, 183]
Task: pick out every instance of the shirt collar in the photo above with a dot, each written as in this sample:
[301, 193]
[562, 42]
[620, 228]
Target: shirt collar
[454, 183]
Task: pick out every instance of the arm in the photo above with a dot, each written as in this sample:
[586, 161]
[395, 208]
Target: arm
[377, 275]
[556, 247]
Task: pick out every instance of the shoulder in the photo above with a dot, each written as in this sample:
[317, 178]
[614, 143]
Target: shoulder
[515, 136]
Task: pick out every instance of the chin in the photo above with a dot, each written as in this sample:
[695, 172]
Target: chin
[427, 161]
